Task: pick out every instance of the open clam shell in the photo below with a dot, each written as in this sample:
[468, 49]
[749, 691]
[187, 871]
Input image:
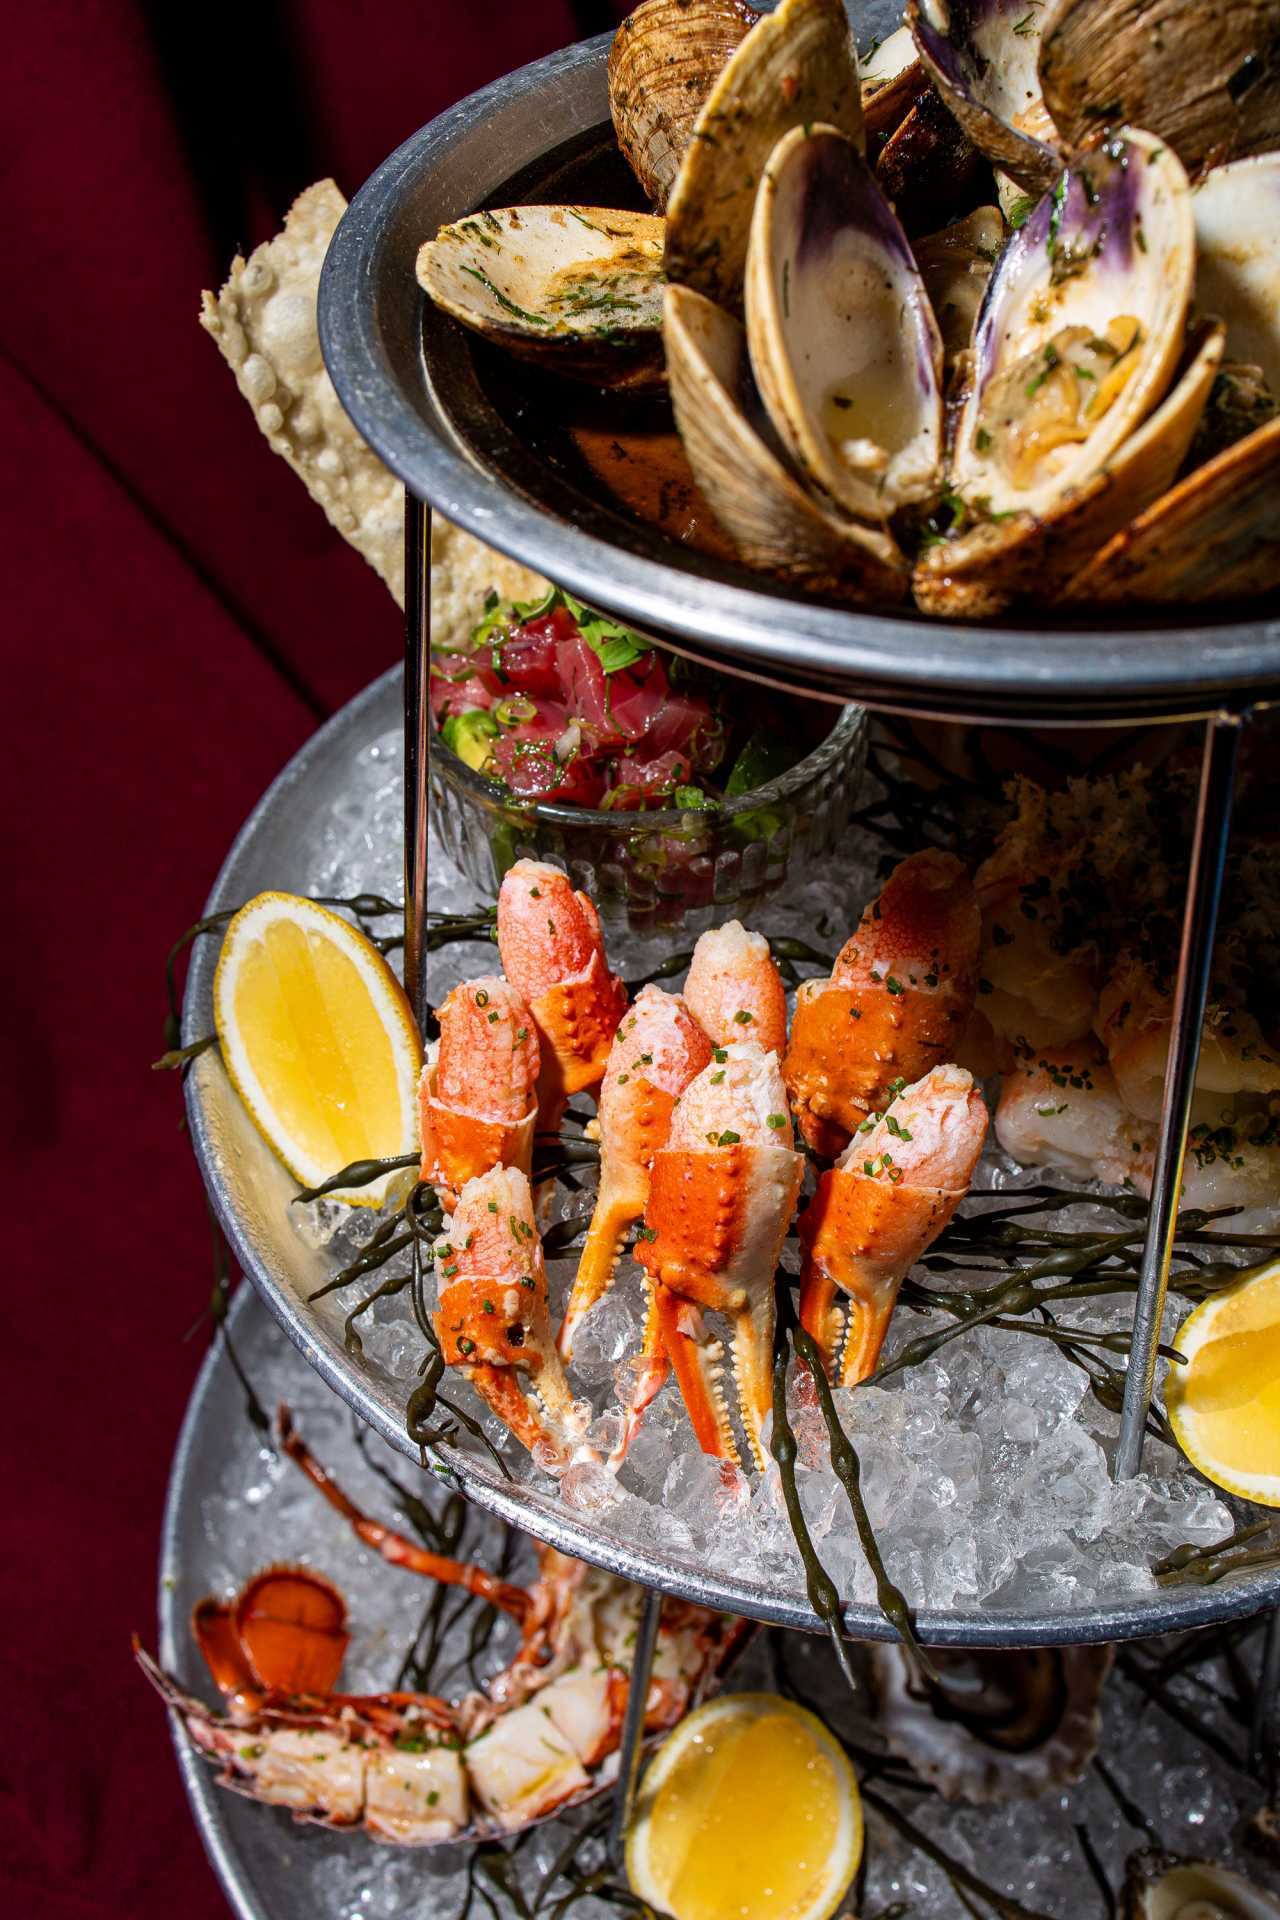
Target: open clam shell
[982, 57]
[579, 289]
[1237, 218]
[955, 264]
[892, 80]
[844, 345]
[997, 561]
[795, 68]
[1206, 79]
[928, 167]
[665, 58]
[1168, 1886]
[1081, 328]
[773, 522]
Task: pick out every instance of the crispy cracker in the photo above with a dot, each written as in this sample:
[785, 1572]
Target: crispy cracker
[264, 321]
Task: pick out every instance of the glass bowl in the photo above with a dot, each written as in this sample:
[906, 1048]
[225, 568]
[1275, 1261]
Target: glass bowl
[647, 871]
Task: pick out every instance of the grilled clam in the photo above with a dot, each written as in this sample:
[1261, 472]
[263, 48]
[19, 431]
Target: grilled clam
[981, 55]
[578, 289]
[774, 522]
[1206, 79]
[844, 345]
[795, 68]
[1167, 1886]
[892, 80]
[664, 61]
[1215, 536]
[929, 167]
[1070, 428]
[955, 265]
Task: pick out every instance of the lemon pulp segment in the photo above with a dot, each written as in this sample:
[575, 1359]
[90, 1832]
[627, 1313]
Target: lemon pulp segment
[1225, 1402]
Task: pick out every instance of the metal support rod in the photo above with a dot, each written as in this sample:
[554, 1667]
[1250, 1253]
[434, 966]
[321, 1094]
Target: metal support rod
[1263, 1731]
[417, 664]
[624, 1792]
[1199, 924]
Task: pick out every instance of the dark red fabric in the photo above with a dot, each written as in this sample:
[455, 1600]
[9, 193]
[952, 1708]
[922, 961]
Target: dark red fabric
[178, 617]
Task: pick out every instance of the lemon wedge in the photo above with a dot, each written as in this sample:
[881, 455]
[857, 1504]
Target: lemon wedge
[749, 1812]
[1224, 1404]
[319, 1040]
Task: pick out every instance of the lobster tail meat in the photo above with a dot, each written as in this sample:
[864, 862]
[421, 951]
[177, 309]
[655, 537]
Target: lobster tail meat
[723, 1193]
[898, 999]
[493, 1320]
[656, 1052]
[553, 955]
[734, 990]
[477, 1098]
[880, 1208]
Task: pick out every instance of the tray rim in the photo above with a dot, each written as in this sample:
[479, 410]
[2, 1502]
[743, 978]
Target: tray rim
[1120, 1619]
[904, 663]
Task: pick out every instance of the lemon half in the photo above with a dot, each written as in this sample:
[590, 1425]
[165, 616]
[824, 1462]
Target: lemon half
[1224, 1404]
[319, 1040]
[750, 1811]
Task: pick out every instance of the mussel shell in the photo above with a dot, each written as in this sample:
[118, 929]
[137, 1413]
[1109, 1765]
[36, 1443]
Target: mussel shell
[578, 289]
[1115, 237]
[982, 58]
[665, 58]
[1215, 537]
[1001, 1726]
[1169, 1886]
[836, 307]
[795, 68]
[1237, 216]
[775, 525]
[1035, 555]
[1204, 78]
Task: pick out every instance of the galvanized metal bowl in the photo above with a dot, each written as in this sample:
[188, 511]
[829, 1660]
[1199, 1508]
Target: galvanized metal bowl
[446, 414]
[251, 1194]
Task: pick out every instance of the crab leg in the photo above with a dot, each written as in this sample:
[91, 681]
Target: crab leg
[655, 1054]
[493, 1319]
[476, 1098]
[880, 1208]
[723, 1193]
[900, 994]
[734, 990]
[553, 955]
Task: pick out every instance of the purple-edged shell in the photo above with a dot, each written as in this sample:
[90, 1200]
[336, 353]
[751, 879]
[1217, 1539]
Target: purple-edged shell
[1168, 1886]
[1081, 329]
[844, 345]
[982, 57]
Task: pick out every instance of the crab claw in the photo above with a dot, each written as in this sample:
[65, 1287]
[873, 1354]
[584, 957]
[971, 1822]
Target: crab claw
[493, 1320]
[476, 1098]
[879, 1209]
[900, 995]
[722, 1196]
[655, 1054]
[553, 954]
[734, 991]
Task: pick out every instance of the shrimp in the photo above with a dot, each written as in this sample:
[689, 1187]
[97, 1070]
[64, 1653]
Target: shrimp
[734, 991]
[476, 1097]
[1135, 1024]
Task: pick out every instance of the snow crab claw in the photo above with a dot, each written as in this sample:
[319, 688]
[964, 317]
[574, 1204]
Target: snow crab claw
[493, 1320]
[722, 1196]
[553, 955]
[898, 999]
[410, 1768]
[655, 1054]
[476, 1097]
[881, 1206]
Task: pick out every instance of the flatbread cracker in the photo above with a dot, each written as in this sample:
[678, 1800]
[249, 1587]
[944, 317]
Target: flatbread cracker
[264, 321]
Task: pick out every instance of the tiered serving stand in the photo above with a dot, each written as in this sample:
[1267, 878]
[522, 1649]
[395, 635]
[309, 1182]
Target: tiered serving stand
[448, 416]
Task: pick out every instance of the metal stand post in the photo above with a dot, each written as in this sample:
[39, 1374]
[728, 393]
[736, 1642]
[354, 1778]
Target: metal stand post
[1199, 924]
[624, 1793]
[417, 665]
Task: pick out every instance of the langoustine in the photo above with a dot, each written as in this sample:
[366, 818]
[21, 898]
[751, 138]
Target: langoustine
[880, 1208]
[413, 1769]
[553, 955]
[722, 1196]
[897, 1002]
[477, 1099]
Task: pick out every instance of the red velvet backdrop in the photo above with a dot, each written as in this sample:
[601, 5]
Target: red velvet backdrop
[180, 618]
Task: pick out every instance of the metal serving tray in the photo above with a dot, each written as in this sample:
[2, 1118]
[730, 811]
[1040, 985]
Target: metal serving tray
[445, 415]
[251, 1194]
